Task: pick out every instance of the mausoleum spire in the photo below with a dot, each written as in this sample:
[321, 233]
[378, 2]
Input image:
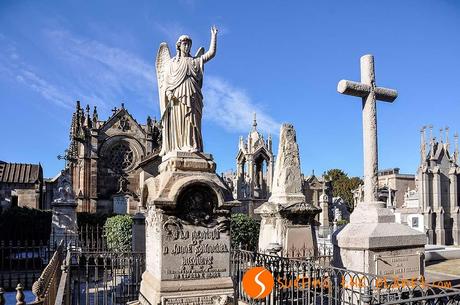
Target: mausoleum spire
[95, 117]
[447, 138]
[456, 147]
[87, 118]
[422, 144]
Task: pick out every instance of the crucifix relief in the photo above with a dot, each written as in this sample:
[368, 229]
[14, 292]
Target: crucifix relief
[369, 93]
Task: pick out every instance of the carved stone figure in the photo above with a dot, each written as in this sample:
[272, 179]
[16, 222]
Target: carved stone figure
[180, 79]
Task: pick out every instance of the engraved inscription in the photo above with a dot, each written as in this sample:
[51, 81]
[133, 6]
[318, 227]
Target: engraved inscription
[404, 266]
[196, 300]
[194, 252]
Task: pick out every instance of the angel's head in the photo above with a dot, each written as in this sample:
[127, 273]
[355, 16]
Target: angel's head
[184, 44]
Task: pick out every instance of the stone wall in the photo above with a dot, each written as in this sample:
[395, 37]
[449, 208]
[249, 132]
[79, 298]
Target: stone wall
[28, 195]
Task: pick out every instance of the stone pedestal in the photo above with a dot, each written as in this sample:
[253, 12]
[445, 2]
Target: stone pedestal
[373, 243]
[187, 234]
[138, 232]
[64, 219]
[289, 228]
[64, 222]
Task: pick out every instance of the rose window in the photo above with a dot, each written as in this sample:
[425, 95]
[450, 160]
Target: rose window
[121, 156]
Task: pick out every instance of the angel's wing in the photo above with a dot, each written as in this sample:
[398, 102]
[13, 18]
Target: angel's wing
[199, 52]
[163, 57]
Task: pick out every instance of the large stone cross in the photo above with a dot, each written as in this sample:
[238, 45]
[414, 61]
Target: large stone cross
[369, 93]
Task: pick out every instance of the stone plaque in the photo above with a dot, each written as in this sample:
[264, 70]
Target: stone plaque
[120, 205]
[194, 252]
[299, 239]
[400, 266]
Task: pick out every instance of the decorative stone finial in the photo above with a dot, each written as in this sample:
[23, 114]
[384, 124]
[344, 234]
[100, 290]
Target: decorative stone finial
[88, 121]
[447, 138]
[254, 122]
[20, 295]
[95, 117]
[422, 144]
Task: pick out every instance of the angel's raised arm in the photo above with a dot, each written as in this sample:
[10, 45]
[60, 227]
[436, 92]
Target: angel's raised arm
[212, 45]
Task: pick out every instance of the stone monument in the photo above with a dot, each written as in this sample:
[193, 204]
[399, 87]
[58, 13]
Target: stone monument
[324, 229]
[64, 219]
[372, 242]
[287, 219]
[188, 205]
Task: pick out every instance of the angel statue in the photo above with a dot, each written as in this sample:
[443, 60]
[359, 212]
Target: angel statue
[180, 79]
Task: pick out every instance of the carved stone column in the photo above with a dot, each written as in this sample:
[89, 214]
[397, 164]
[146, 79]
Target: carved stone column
[440, 231]
[425, 190]
[436, 189]
[440, 228]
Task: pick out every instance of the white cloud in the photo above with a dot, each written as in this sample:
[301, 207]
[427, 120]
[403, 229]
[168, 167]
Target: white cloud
[47, 90]
[93, 72]
[231, 108]
[109, 71]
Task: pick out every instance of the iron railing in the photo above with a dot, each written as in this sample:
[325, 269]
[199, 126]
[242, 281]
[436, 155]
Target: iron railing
[22, 261]
[305, 282]
[63, 294]
[45, 288]
[92, 238]
[105, 277]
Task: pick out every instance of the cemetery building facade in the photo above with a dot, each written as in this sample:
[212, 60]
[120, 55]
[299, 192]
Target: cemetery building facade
[21, 185]
[437, 187]
[396, 184]
[432, 205]
[108, 159]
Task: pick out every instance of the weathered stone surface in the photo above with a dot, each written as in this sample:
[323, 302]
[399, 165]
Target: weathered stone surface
[287, 178]
[324, 229]
[180, 79]
[64, 219]
[370, 93]
[286, 217]
[372, 232]
[188, 242]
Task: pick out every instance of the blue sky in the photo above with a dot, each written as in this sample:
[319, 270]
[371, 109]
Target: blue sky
[282, 59]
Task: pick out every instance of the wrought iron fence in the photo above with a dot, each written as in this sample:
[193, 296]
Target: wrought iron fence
[305, 281]
[92, 238]
[22, 262]
[105, 277]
